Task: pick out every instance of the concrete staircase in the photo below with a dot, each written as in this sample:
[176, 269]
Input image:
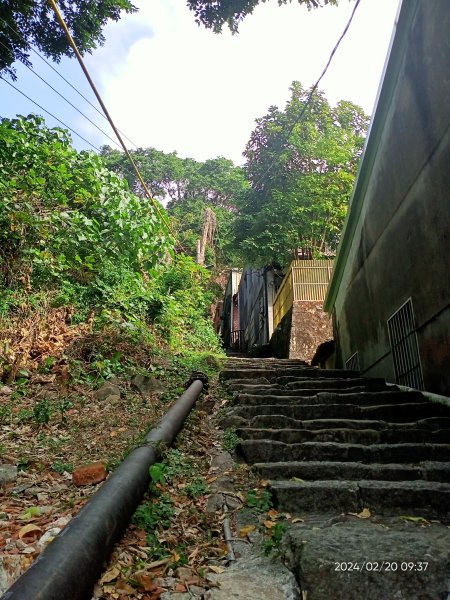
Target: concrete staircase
[332, 443]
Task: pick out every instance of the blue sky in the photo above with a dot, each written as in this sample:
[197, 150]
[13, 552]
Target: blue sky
[174, 86]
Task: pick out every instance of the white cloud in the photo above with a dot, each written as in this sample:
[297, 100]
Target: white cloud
[175, 86]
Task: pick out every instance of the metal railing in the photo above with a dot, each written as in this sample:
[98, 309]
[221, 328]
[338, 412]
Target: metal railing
[305, 280]
[237, 340]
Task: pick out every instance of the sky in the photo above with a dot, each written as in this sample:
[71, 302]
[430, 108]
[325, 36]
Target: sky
[175, 86]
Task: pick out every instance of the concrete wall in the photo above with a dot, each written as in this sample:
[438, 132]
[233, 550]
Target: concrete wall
[400, 248]
[301, 331]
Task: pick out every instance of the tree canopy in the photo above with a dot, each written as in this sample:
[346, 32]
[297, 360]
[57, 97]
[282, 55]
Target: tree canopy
[27, 23]
[301, 164]
[189, 187]
[214, 14]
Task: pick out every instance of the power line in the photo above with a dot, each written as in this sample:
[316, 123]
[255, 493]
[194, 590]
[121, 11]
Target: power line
[74, 47]
[68, 101]
[48, 63]
[313, 89]
[49, 113]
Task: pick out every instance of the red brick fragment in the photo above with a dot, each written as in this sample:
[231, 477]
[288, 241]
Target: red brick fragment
[89, 474]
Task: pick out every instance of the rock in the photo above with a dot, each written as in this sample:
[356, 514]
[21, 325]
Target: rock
[89, 474]
[222, 461]
[107, 389]
[114, 400]
[197, 590]
[147, 385]
[182, 573]
[10, 569]
[48, 537]
[8, 474]
[359, 559]
[255, 578]
[215, 503]
[5, 390]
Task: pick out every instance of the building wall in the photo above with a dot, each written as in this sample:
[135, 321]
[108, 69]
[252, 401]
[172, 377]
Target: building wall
[253, 307]
[311, 326]
[400, 247]
[302, 329]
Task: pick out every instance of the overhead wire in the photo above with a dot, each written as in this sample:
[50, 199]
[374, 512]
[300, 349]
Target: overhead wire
[68, 102]
[311, 93]
[51, 114]
[74, 47]
[49, 64]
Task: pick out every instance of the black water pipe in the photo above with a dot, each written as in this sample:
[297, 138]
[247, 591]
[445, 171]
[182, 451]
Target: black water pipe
[71, 564]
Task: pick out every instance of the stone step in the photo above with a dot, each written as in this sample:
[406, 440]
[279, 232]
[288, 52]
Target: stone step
[271, 374]
[264, 363]
[271, 390]
[429, 498]
[347, 436]
[319, 382]
[400, 413]
[357, 399]
[256, 451]
[279, 421]
[355, 559]
[316, 470]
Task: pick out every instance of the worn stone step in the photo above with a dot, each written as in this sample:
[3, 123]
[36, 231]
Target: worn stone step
[398, 413]
[316, 470]
[355, 559]
[270, 390]
[320, 382]
[429, 498]
[358, 399]
[280, 421]
[261, 383]
[272, 451]
[346, 436]
[272, 374]
[264, 363]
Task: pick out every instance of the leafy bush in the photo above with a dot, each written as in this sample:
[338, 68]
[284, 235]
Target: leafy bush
[64, 216]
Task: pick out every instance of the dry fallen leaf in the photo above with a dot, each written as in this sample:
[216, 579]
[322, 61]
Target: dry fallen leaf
[269, 524]
[123, 588]
[29, 530]
[244, 531]
[110, 575]
[364, 514]
[215, 569]
[297, 520]
[273, 514]
[145, 581]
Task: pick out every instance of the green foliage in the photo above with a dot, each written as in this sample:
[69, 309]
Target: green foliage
[28, 23]
[230, 439]
[197, 487]
[68, 221]
[191, 188]
[301, 163]
[215, 15]
[150, 515]
[183, 318]
[62, 467]
[71, 233]
[259, 500]
[272, 544]
[42, 411]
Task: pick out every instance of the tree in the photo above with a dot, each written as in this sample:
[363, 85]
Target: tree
[27, 23]
[64, 217]
[301, 163]
[214, 14]
[190, 188]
